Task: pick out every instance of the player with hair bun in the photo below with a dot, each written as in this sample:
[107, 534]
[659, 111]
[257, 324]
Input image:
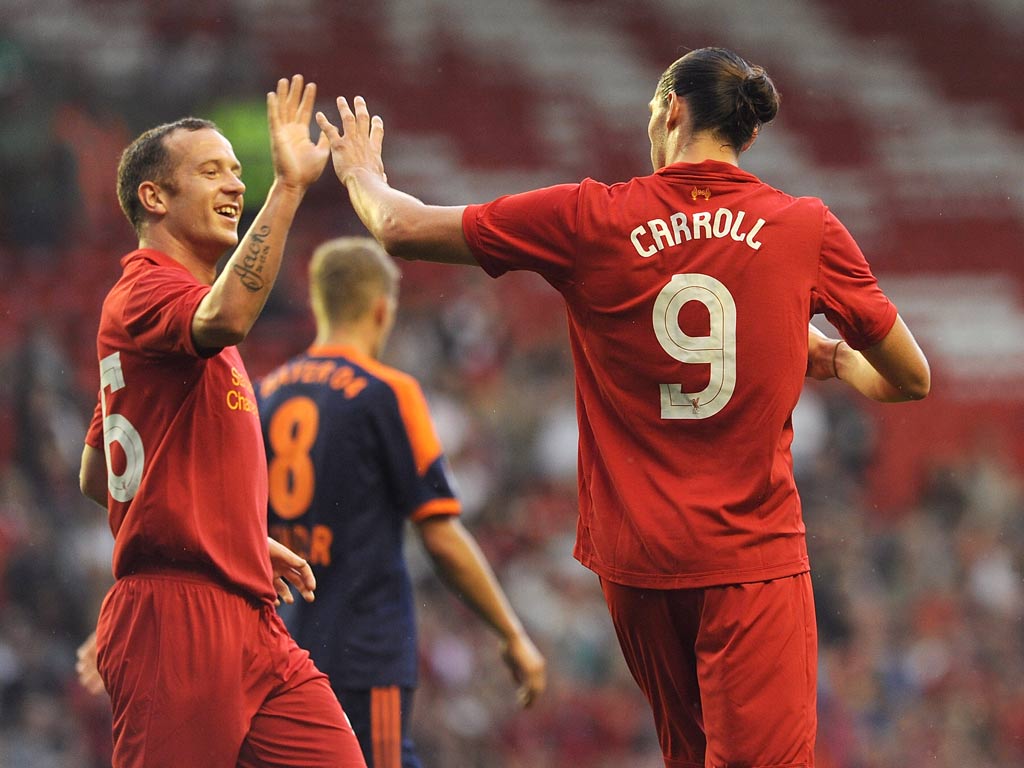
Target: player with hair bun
[688, 293]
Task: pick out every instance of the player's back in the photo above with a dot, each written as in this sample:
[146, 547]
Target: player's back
[688, 295]
[345, 460]
[691, 329]
[688, 312]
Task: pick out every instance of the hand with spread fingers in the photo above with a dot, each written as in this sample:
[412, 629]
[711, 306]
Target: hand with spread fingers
[357, 145]
[298, 162]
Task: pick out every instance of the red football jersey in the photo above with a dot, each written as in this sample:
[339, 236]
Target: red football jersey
[187, 473]
[688, 295]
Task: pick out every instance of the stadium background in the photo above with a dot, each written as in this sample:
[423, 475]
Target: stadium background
[905, 116]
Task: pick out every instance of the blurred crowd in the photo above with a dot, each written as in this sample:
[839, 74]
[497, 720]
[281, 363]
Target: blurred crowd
[920, 608]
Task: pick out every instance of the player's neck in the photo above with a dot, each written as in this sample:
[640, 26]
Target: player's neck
[202, 266]
[701, 147]
[362, 339]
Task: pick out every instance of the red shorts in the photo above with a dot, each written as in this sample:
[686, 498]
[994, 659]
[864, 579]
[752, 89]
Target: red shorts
[199, 676]
[730, 671]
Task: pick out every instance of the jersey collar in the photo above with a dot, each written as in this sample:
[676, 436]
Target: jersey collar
[156, 257]
[709, 170]
[336, 350]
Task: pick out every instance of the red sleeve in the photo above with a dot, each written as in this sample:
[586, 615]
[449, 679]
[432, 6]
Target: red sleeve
[847, 292]
[94, 436]
[159, 310]
[534, 231]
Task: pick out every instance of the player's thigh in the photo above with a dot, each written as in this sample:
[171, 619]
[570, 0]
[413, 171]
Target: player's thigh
[656, 630]
[757, 668]
[168, 654]
[301, 726]
[381, 718]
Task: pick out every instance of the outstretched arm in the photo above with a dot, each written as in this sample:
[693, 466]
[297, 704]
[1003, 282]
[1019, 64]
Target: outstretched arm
[893, 370]
[229, 310]
[462, 565]
[405, 226]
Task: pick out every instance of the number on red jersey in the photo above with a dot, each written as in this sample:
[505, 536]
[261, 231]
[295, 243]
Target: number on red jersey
[717, 349]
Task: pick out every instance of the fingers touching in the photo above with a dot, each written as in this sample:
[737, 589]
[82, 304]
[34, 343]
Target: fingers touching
[356, 141]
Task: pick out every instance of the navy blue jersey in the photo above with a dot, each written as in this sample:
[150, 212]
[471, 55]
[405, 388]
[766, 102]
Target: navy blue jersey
[352, 454]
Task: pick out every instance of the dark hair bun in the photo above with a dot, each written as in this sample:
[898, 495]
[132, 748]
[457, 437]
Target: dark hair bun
[758, 92]
[725, 94]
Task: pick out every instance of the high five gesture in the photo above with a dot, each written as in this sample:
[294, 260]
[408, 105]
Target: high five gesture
[401, 223]
[297, 160]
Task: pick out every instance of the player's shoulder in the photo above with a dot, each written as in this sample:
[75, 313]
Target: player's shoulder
[134, 266]
[393, 378]
[590, 187]
[394, 388]
[786, 200]
[149, 276]
[147, 262]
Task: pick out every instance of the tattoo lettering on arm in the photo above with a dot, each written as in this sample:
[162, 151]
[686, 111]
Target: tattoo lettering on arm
[250, 271]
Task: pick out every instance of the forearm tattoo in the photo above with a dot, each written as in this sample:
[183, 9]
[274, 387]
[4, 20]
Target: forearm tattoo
[250, 269]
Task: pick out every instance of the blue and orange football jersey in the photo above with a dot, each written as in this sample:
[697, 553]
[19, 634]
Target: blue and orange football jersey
[352, 455]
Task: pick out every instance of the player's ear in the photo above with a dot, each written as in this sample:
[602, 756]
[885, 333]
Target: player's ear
[750, 142]
[152, 197]
[676, 113]
[381, 311]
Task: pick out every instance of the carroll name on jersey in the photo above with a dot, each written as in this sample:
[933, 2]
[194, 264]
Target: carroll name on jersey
[657, 234]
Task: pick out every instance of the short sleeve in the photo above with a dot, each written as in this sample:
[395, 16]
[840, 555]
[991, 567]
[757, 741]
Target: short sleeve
[159, 309]
[534, 231]
[847, 292]
[431, 490]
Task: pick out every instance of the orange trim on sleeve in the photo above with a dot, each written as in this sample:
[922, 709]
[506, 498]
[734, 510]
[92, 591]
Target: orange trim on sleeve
[426, 447]
[412, 405]
[436, 507]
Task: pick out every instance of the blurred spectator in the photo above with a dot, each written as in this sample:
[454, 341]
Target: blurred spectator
[38, 196]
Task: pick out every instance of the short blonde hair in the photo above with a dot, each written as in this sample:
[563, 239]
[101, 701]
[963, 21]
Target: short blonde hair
[345, 276]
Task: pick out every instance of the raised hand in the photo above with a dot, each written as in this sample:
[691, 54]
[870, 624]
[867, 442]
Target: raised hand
[357, 146]
[297, 161]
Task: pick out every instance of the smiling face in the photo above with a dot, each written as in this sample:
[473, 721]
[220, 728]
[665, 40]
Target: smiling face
[202, 199]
